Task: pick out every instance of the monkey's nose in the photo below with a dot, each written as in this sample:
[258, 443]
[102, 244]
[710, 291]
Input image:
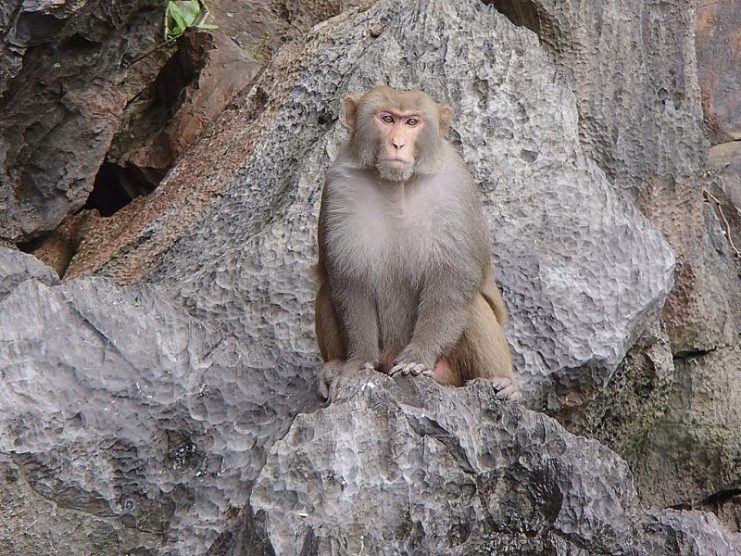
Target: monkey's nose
[398, 143]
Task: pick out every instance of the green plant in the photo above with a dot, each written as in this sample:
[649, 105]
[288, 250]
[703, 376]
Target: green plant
[184, 14]
[258, 51]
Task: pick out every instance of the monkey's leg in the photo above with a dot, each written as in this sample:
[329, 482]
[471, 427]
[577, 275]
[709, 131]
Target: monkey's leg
[326, 326]
[482, 352]
[331, 347]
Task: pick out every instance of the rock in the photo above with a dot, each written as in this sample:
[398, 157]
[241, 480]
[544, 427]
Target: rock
[718, 47]
[195, 85]
[633, 69]
[579, 299]
[694, 444]
[125, 416]
[64, 102]
[141, 405]
[409, 467]
[17, 267]
[305, 14]
[57, 248]
[724, 192]
[673, 532]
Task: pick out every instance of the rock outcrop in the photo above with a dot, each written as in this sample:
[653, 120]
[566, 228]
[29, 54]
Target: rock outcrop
[161, 399]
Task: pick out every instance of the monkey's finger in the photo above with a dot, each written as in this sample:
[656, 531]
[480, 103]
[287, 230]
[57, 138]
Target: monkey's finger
[506, 389]
[401, 369]
[368, 366]
[419, 369]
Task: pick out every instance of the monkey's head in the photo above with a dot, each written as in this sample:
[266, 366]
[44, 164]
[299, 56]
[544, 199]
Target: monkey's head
[396, 132]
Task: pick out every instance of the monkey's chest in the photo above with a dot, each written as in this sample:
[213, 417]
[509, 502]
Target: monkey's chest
[388, 243]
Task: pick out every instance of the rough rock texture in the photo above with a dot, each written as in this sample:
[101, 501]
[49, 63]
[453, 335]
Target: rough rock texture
[581, 297]
[124, 419]
[306, 13]
[724, 191]
[196, 84]
[634, 71]
[138, 417]
[413, 468]
[718, 40]
[632, 66]
[18, 267]
[61, 99]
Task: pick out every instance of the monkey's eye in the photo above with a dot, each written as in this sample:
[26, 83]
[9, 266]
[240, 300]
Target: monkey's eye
[388, 119]
[413, 122]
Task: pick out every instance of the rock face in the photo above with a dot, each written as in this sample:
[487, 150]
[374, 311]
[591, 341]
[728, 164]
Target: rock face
[634, 71]
[62, 93]
[140, 407]
[412, 468]
[125, 424]
[718, 52]
[514, 128]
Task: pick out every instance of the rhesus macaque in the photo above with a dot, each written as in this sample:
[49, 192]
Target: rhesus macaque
[405, 282]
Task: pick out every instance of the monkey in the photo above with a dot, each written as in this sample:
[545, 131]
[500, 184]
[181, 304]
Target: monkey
[404, 278]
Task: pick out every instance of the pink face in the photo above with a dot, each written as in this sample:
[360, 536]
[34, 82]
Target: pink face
[398, 132]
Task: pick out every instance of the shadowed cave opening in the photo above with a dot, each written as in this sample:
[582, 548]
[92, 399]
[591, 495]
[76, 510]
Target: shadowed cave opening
[111, 192]
[521, 13]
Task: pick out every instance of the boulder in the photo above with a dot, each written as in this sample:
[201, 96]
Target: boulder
[409, 467]
[125, 423]
[63, 89]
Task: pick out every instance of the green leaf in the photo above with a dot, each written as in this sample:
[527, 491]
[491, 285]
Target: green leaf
[208, 26]
[189, 12]
[173, 10]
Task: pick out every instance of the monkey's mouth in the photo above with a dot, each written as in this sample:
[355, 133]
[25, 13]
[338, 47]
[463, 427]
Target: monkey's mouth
[395, 161]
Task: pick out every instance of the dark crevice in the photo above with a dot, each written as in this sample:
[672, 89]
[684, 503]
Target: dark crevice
[425, 426]
[522, 14]
[715, 499]
[691, 353]
[31, 245]
[112, 190]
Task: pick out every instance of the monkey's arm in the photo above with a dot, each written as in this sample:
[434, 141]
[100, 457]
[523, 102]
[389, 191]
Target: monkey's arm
[357, 314]
[443, 311]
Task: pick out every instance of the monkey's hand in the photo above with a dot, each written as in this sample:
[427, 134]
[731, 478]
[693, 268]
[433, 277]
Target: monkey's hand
[507, 389]
[409, 362]
[333, 371]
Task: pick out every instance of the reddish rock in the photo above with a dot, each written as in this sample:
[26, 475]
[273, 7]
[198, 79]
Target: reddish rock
[718, 44]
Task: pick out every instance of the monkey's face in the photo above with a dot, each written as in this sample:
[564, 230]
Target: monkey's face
[399, 134]
[396, 132]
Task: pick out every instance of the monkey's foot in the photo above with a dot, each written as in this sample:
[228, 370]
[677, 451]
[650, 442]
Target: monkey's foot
[413, 369]
[332, 373]
[507, 389]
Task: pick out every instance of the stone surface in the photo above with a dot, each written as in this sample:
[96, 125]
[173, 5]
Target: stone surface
[718, 44]
[634, 70]
[632, 65]
[137, 417]
[413, 468]
[123, 415]
[579, 298]
[16, 267]
[197, 82]
[724, 191]
[63, 102]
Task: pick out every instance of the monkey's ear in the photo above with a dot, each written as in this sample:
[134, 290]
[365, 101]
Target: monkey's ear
[446, 113]
[350, 106]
